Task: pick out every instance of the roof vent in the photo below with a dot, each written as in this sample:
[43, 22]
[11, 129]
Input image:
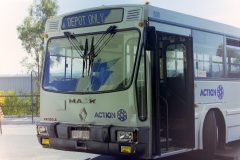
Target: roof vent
[52, 26]
[134, 15]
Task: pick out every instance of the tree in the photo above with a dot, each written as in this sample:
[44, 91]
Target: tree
[31, 33]
[13, 105]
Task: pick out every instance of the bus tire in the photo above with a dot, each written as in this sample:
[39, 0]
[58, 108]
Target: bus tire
[210, 136]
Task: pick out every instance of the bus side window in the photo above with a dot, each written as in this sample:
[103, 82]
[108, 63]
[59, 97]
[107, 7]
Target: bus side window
[233, 58]
[208, 54]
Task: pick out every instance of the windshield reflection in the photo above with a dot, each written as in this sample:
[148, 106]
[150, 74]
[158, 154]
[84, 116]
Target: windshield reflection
[87, 68]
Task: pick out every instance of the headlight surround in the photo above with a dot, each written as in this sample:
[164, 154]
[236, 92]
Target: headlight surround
[42, 130]
[125, 136]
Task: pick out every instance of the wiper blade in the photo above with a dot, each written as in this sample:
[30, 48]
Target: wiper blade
[88, 57]
[92, 52]
[98, 47]
[85, 57]
[75, 43]
[95, 49]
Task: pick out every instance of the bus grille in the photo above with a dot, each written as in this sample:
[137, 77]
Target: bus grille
[53, 26]
[134, 15]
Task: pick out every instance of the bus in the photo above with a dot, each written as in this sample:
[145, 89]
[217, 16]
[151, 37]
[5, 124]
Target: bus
[140, 81]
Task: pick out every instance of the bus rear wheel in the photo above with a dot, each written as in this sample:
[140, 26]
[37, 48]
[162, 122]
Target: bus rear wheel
[210, 136]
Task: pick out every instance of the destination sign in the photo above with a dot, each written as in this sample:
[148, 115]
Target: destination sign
[92, 18]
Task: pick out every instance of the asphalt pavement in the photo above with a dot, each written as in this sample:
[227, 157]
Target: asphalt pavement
[19, 142]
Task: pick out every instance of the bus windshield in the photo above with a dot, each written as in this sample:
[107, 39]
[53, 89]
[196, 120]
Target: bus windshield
[67, 70]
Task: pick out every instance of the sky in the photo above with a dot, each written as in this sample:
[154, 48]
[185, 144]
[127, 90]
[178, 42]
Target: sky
[13, 12]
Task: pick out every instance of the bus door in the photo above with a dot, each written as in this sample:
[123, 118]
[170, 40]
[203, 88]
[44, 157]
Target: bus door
[176, 96]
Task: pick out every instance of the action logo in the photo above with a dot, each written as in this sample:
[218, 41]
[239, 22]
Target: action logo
[122, 115]
[218, 92]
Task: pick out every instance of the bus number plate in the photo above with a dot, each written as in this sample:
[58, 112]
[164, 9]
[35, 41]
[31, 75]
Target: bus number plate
[84, 135]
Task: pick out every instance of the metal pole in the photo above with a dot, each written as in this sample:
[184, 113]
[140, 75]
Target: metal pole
[1, 118]
[0, 126]
[32, 95]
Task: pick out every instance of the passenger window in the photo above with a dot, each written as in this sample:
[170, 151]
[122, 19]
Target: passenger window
[208, 54]
[233, 58]
[175, 60]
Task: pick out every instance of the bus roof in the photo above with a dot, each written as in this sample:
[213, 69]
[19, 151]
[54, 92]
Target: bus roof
[174, 18]
[188, 21]
[103, 7]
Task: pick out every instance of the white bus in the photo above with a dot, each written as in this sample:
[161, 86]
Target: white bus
[141, 81]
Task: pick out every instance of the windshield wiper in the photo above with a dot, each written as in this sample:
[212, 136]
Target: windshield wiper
[87, 56]
[79, 48]
[75, 43]
[112, 31]
[95, 49]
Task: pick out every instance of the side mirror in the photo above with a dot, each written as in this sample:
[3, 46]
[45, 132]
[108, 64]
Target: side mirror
[150, 38]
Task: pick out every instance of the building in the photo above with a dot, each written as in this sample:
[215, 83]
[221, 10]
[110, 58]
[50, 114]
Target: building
[20, 84]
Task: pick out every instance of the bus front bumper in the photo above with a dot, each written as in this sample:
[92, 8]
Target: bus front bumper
[101, 140]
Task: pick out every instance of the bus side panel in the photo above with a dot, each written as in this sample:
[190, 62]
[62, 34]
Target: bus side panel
[221, 95]
[233, 124]
[201, 111]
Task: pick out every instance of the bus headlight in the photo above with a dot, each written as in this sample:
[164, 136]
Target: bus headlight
[42, 130]
[127, 137]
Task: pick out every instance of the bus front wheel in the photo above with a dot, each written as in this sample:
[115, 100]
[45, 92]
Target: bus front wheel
[210, 135]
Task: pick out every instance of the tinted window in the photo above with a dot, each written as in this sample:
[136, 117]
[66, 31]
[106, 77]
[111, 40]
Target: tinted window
[208, 54]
